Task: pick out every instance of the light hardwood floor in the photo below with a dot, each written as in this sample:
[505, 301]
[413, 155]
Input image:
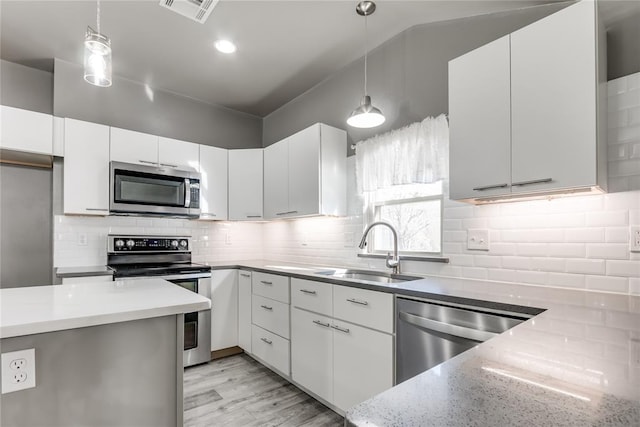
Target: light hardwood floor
[237, 391]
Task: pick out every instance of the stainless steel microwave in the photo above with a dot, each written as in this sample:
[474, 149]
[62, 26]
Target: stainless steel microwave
[154, 190]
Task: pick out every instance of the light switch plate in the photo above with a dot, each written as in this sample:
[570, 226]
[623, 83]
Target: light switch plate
[18, 370]
[478, 239]
[634, 239]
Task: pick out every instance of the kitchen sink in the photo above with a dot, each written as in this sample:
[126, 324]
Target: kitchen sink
[368, 275]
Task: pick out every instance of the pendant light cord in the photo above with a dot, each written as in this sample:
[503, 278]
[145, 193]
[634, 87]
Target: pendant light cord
[366, 52]
[98, 17]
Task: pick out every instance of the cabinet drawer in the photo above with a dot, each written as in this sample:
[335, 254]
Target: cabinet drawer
[363, 307]
[271, 286]
[312, 296]
[271, 348]
[270, 315]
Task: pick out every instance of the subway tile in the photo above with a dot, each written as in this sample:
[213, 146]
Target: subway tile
[607, 284]
[461, 259]
[516, 263]
[567, 250]
[451, 224]
[608, 218]
[618, 184]
[633, 115]
[617, 152]
[617, 235]
[585, 266]
[454, 236]
[585, 235]
[474, 223]
[503, 248]
[624, 167]
[475, 273]
[618, 118]
[502, 275]
[458, 212]
[634, 285]
[566, 280]
[617, 87]
[487, 261]
[532, 249]
[534, 277]
[629, 268]
[548, 264]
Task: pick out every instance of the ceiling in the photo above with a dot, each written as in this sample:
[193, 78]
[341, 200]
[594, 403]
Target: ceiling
[284, 47]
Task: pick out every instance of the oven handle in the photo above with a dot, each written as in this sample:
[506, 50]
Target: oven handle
[170, 277]
[446, 328]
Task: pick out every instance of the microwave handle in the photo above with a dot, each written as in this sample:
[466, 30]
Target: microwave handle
[187, 192]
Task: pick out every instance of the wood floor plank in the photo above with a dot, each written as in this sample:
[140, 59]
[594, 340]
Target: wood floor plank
[237, 391]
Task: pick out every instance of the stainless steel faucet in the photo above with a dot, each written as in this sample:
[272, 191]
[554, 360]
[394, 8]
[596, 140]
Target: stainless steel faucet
[392, 262]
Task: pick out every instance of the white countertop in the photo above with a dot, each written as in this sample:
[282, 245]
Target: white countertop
[39, 309]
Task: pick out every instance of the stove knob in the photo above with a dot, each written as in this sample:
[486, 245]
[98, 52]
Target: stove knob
[174, 244]
[130, 243]
[183, 244]
[119, 243]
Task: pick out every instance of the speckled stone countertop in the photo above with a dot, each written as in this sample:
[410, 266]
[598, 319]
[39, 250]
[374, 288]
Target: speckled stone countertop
[85, 271]
[575, 364]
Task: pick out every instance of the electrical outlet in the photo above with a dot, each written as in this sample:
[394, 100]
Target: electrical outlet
[18, 370]
[634, 239]
[478, 239]
[227, 239]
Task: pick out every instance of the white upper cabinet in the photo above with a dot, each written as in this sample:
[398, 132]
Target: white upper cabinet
[245, 184]
[554, 98]
[178, 154]
[526, 111]
[26, 131]
[480, 117]
[133, 147]
[86, 168]
[305, 174]
[213, 183]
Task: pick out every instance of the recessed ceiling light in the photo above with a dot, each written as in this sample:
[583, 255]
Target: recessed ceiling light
[225, 46]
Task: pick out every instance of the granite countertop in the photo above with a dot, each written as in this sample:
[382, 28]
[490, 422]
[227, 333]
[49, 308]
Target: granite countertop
[39, 309]
[85, 271]
[577, 363]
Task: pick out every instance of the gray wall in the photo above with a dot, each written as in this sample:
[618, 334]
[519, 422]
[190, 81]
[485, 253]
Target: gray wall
[130, 105]
[26, 88]
[623, 47]
[26, 254]
[123, 374]
[408, 74]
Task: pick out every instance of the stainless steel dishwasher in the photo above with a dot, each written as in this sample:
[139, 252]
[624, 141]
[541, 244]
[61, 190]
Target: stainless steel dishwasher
[431, 332]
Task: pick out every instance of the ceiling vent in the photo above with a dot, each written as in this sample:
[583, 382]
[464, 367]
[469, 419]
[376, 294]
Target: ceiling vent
[198, 10]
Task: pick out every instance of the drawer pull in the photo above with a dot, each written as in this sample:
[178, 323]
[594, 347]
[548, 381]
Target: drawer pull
[245, 275]
[355, 301]
[345, 330]
[267, 341]
[306, 291]
[264, 282]
[148, 162]
[168, 164]
[535, 181]
[266, 307]
[491, 187]
[96, 209]
[254, 216]
[326, 325]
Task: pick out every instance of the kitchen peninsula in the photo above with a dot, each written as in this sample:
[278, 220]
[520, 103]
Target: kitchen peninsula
[105, 353]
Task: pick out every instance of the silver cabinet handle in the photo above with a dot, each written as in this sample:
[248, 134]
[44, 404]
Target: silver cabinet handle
[446, 328]
[355, 301]
[266, 307]
[147, 162]
[168, 164]
[490, 187]
[535, 181]
[345, 330]
[187, 192]
[281, 213]
[306, 291]
[326, 325]
[267, 341]
[265, 282]
[207, 214]
[245, 275]
[96, 209]
[253, 216]
[291, 212]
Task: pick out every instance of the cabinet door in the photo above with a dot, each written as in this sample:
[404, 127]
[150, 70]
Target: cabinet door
[133, 147]
[245, 184]
[224, 309]
[213, 183]
[244, 310]
[276, 180]
[27, 131]
[178, 154]
[86, 168]
[362, 364]
[304, 172]
[312, 352]
[553, 94]
[480, 122]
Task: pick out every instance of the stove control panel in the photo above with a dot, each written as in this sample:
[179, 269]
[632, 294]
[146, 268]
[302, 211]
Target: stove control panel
[148, 244]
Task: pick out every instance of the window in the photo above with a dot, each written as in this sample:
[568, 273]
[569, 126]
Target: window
[415, 211]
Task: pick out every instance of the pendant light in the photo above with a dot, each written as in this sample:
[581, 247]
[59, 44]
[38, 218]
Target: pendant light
[97, 55]
[366, 115]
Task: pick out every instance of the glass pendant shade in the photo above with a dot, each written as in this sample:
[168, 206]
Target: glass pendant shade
[97, 59]
[366, 115]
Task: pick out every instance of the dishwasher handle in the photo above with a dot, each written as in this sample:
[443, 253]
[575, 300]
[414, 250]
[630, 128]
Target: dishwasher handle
[446, 328]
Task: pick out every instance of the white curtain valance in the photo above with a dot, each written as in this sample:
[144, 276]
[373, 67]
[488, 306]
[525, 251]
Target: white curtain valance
[418, 153]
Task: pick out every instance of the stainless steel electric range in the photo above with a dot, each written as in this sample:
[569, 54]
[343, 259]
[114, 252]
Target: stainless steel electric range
[168, 258]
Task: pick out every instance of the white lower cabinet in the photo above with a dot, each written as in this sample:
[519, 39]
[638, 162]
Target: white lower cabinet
[270, 348]
[271, 315]
[244, 310]
[312, 352]
[362, 364]
[224, 309]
